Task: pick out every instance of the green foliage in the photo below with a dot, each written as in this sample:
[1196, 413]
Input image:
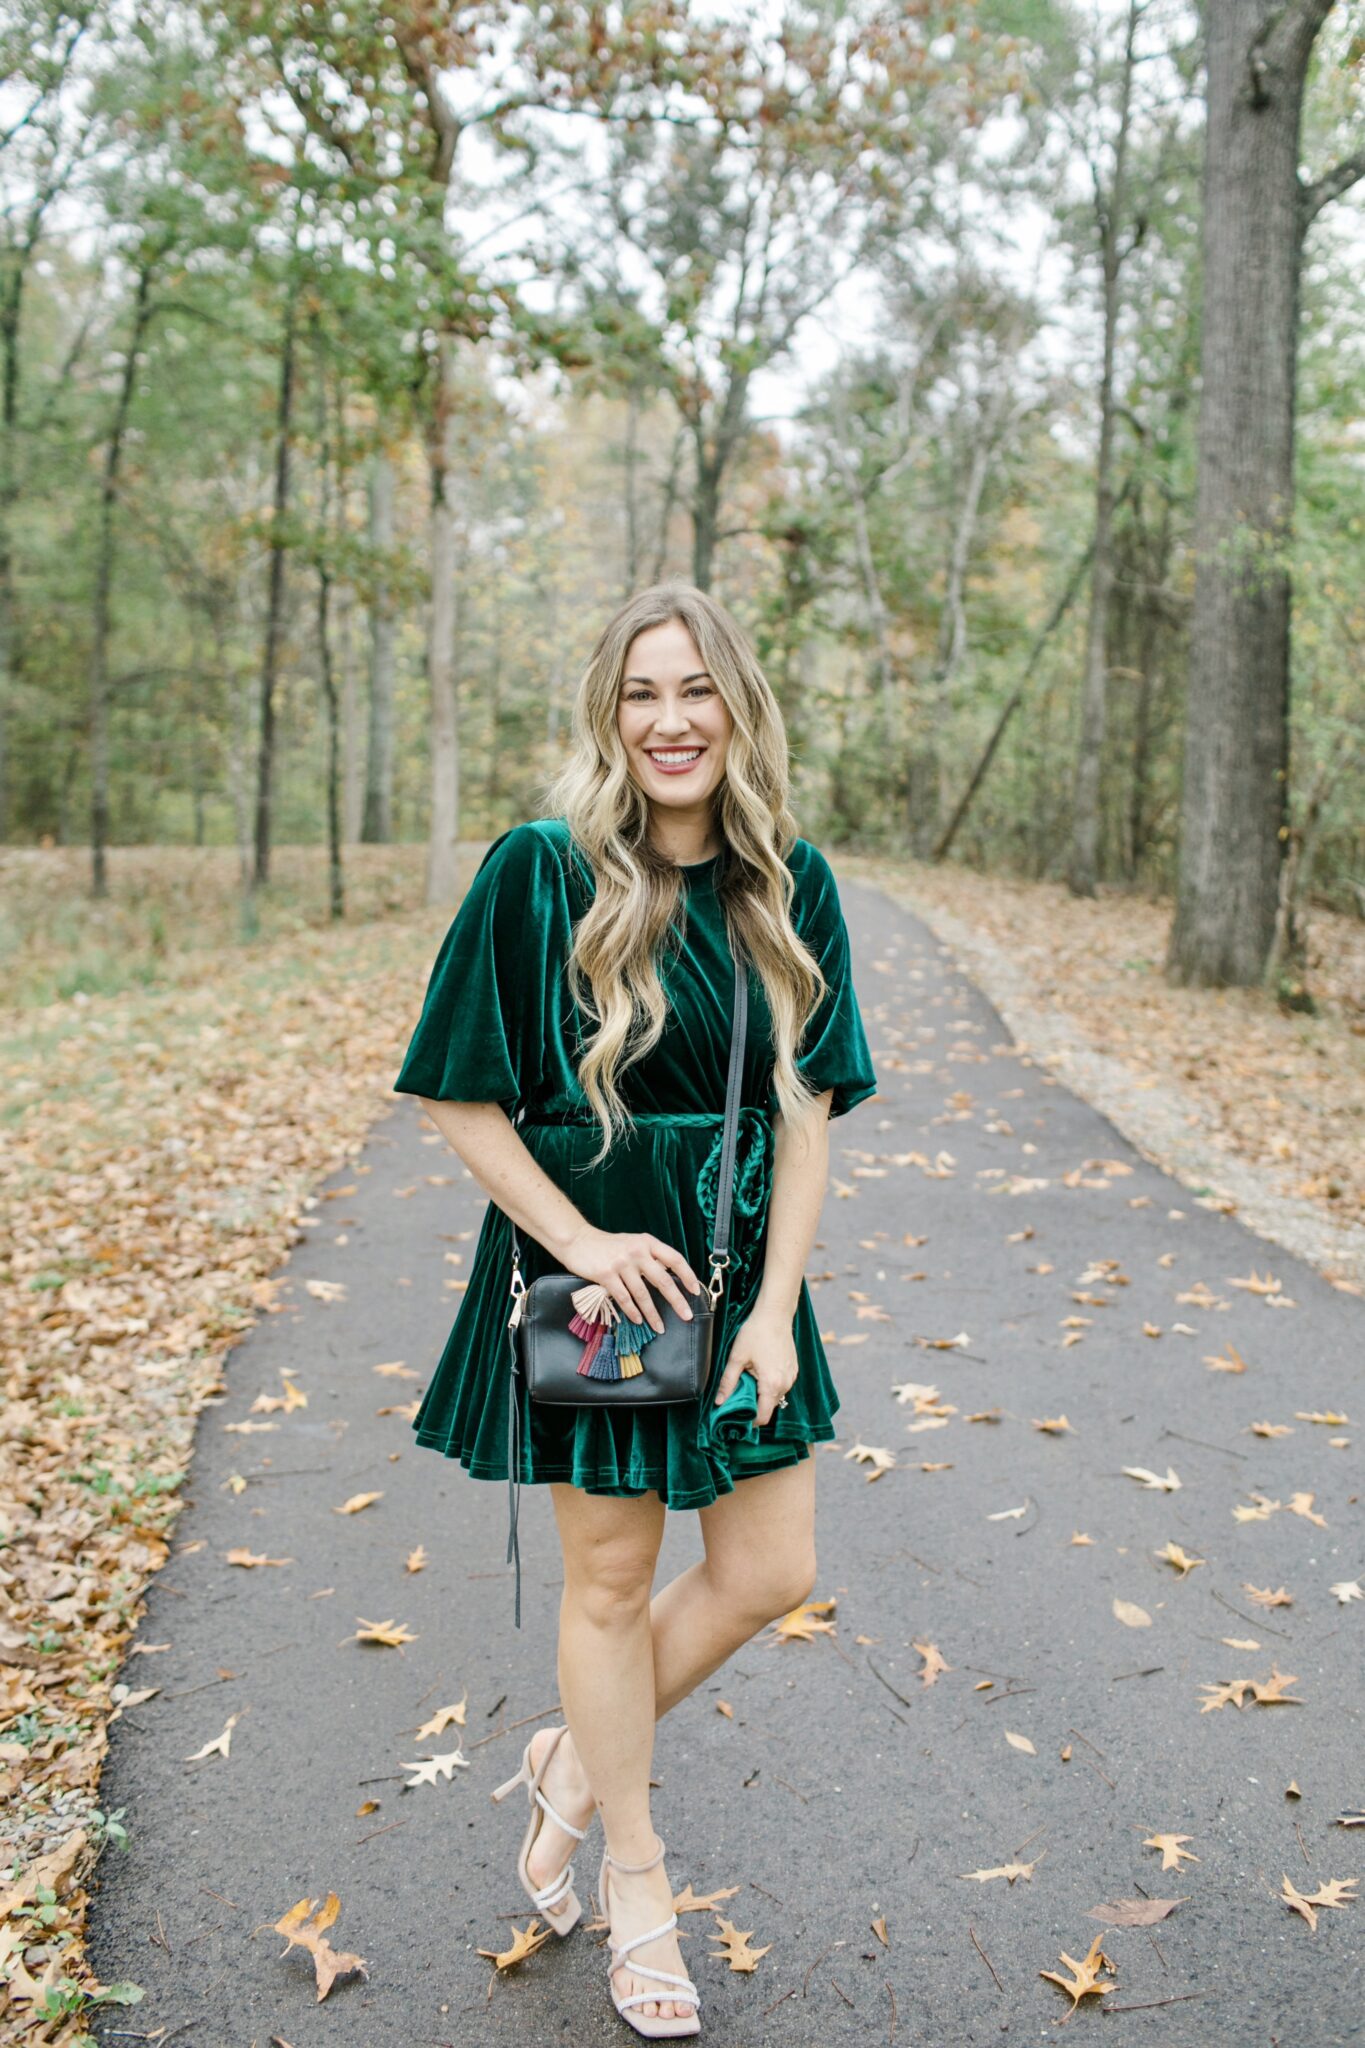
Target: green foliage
[625, 234]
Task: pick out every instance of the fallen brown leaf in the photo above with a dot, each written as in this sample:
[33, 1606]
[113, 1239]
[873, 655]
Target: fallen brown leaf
[1009, 1871]
[802, 1624]
[934, 1663]
[734, 1947]
[1173, 1857]
[391, 1634]
[1337, 1892]
[1086, 1975]
[1153, 1481]
[525, 1942]
[1134, 1912]
[303, 1928]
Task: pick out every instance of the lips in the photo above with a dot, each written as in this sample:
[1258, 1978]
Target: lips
[675, 767]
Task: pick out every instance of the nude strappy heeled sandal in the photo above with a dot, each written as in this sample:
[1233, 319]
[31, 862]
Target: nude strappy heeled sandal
[680, 1989]
[557, 1900]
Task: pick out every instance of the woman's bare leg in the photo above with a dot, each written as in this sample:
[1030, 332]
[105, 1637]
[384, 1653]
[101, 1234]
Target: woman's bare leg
[759, 1563]
[606, 1683]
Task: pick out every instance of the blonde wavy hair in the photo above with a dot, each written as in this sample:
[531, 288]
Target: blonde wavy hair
[612, 967]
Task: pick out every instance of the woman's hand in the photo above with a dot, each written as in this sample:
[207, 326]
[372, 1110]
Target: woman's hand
[764, 1345]
[622, 1261]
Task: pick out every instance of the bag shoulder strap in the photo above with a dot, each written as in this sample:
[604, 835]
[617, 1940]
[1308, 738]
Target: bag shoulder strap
[725, 1183]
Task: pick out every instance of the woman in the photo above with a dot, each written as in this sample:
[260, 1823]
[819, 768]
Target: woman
[672, 839]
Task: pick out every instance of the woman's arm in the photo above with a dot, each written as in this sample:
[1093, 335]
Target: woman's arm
[765, 1344]
[486, 1140]
[626, 1262]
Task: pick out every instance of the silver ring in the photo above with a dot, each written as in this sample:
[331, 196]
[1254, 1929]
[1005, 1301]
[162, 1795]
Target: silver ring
[782, 1402]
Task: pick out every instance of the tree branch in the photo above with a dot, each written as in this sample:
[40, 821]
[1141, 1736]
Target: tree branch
[1330, 186]
[1287, 40]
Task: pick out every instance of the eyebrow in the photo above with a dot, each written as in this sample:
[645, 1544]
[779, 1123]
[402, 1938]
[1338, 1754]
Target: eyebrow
[701, 676]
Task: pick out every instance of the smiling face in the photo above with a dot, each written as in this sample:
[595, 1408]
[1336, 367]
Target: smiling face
[675, 727]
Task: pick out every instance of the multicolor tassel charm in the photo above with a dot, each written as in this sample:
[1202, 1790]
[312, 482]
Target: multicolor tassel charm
[612, 1345]
[628, 1341]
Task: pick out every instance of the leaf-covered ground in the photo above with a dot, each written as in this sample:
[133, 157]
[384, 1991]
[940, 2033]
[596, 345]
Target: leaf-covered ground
[162, 1140]
[1278, 1087]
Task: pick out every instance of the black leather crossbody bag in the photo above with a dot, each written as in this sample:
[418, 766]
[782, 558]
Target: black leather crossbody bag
[574, 1346]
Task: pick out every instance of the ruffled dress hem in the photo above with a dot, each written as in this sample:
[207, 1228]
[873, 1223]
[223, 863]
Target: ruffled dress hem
[689, 1497]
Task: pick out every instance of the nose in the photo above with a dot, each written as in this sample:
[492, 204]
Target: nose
[670, 726]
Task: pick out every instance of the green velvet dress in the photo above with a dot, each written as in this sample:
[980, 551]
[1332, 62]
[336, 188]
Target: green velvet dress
[498, 1025]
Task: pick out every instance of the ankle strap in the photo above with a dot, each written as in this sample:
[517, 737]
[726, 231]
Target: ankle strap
[617, 1864]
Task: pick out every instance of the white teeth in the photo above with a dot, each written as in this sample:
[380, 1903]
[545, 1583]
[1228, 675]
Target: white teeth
[672, 760]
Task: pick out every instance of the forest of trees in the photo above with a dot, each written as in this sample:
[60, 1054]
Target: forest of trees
[1000, 365]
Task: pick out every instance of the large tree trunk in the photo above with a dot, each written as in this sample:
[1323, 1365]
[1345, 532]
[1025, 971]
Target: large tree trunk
[445, 751]
[274, 618]
[377, 826]
[104, 569]
[1255, 212]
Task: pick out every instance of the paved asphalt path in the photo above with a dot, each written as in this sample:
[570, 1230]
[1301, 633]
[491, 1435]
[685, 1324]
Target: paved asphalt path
[842, 1791]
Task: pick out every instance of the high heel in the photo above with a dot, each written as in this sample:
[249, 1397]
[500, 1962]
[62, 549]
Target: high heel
[652, 2025]
[557, 1900]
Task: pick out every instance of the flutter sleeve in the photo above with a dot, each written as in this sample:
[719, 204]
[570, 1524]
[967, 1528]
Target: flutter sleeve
[480, 1035]
[834, 1049]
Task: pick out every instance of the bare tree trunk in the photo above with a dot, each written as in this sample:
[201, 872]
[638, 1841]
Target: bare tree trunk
[883, 661]
[712, 456]
[104, 566]
[632, 504]
[1290, 940]
[197, 724]
[16, 270]
[1016, 698]
[352, 732]
[336, 888]
[929, 765]
[1151, 634]
[22, 241]
[1256, 211]
[441, 876]
[670, 499]
[705, 516]
[555, 707]
[240, 744]
[494, 784]
[377, 825]
[1083, 872]
[274, 618]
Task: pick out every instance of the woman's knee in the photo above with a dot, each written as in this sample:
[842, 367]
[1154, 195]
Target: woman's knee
[611, 1583]
[764, 1588]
